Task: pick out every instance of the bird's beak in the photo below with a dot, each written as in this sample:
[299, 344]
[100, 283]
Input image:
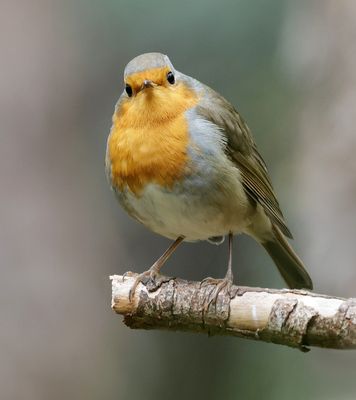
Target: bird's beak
[148, 84]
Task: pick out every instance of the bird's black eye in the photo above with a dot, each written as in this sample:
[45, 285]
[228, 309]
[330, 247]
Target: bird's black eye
[170, 77]
[128, 89]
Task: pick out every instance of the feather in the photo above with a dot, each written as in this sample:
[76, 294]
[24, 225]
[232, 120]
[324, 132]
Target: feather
[242, 150]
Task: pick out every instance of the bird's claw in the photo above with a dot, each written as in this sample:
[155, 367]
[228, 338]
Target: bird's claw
[151, 279]
[143, 278]
[209, 281]
[221, 286]
[127, 274]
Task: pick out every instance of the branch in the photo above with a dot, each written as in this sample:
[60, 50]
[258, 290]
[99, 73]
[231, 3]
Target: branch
[293, 318]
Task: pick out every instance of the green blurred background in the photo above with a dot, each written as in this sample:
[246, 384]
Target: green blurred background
[290, 69]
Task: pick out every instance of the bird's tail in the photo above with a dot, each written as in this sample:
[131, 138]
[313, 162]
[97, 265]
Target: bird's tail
[289, 264]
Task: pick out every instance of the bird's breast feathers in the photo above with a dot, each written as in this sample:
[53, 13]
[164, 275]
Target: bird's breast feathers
[175, 177]
[149, 139]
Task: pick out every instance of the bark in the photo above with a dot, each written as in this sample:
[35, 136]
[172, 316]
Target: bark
[294, 318]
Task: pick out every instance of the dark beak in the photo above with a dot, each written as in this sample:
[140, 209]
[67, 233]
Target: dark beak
[147, 84]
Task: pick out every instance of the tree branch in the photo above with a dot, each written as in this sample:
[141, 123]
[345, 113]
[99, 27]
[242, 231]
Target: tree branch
[293, 318]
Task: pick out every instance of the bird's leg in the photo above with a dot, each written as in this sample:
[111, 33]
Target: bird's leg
[221, 284]
[153, 274]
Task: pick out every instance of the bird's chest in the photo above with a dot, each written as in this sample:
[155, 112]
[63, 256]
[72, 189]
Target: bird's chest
[155, 175]
[200, 205]
[149, 138]
[176, 181]
[156, 153]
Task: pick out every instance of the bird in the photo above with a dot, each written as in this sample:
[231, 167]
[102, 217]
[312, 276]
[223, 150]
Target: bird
[183, 162]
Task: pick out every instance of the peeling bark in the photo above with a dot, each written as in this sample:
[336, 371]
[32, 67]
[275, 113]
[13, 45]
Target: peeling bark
[294, 318]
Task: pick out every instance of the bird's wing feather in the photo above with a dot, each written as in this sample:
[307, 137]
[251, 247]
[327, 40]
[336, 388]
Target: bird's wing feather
[242, 150]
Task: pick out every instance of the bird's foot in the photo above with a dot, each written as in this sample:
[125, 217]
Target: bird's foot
[151, 278]
[221, 286]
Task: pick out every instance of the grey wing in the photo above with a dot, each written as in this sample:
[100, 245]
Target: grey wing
[242, 150]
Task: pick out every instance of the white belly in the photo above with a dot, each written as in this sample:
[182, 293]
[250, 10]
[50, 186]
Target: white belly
[197, 215]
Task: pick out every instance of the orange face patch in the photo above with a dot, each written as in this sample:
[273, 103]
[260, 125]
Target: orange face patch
[156, 75]
[149, 137]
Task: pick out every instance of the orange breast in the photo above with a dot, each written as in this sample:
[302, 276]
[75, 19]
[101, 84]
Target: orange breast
[149, 138]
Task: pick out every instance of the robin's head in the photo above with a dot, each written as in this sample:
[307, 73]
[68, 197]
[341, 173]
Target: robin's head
[154, 91]
[148, 72]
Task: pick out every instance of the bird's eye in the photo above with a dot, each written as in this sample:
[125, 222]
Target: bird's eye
[170, 77]
[128, 89]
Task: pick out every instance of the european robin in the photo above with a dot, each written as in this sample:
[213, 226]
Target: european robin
[183, 162]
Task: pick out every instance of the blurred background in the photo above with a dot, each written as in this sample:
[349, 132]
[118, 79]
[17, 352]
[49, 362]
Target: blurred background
[290, 69]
